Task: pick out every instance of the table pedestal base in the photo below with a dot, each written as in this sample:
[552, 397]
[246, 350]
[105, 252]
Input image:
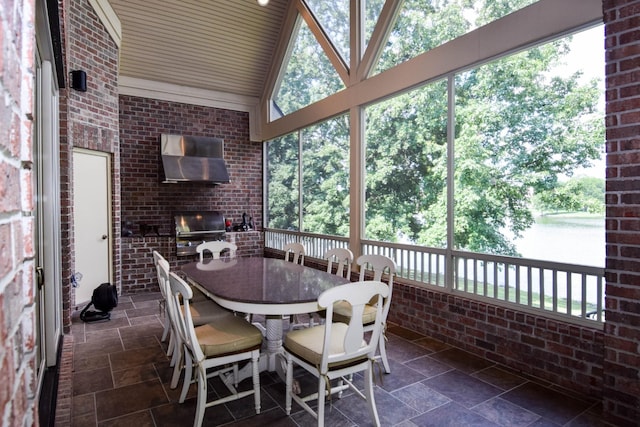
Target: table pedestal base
[271, 358]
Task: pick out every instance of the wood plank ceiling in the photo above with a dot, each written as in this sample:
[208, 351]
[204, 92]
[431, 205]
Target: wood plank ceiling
[218, 45]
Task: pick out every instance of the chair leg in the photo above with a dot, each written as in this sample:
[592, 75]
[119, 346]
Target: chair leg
[289, 385]
[383, 354]
[202, 396]
[188, 377]
[256, 380]
[167, 326]
[368, 390]
[177, 369]
[322, 387]
[171, 349]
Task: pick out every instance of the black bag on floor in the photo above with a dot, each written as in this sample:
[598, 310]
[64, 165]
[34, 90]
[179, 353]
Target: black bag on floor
[105, 299]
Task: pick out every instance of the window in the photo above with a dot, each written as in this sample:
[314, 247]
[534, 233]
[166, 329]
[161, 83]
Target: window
[282, 172]
[406, 167]
[325, 177]
[309, 76]
[464, 152]
[425, 24]
[526, 127]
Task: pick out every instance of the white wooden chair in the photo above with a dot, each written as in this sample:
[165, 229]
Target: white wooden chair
[202, 312]
[157, 259]
[214, 349]
[337, 350]
[216, 248]
[380, 265]
[294, 252]
[343, 258]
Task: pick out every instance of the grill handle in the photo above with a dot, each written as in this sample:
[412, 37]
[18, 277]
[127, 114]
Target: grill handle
[195, 233]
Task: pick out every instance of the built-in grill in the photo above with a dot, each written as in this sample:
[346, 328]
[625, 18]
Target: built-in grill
[193, 228]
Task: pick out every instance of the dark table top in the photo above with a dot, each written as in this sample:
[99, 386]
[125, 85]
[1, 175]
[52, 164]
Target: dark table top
[261, 285]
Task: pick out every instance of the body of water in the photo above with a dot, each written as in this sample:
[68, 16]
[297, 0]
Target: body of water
[565, 238]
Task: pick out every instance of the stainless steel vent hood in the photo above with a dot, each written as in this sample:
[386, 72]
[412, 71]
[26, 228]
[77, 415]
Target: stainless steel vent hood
[193, 159]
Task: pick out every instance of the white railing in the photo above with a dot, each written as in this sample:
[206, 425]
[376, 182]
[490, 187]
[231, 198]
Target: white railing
[315, 245]
[568, 291]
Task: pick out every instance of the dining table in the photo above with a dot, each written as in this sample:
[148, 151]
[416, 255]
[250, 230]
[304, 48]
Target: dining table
[271, 287]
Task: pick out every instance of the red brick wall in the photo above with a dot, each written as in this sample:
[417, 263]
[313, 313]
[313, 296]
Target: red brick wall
[146, 200]
[138, 273]
[621, 391]
[568, 355]
[88, 120]
[17, 355]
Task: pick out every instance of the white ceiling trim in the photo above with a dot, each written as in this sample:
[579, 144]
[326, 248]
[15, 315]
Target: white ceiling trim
[188, 95]
[109, 19]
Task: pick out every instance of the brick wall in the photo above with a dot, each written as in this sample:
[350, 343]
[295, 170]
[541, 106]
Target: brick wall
[88, 120]
[568, 355]
[146, 200]
[621, 391]
[138, 272]
[17, 348]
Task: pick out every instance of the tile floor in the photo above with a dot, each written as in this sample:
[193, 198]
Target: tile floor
[120, 378]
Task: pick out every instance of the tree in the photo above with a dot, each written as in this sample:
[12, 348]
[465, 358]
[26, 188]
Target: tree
[583, 194]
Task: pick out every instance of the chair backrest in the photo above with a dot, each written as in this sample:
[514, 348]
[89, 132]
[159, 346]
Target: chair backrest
[343, 257]
[162, 266]
[380, 265]
[357, 294]
[297, 251]
[216, 247]
[180, 291]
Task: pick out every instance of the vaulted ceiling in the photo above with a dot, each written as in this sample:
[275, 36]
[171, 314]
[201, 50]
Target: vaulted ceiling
[217, 45]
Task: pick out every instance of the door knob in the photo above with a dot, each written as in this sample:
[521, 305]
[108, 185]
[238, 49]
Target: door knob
[104, 237]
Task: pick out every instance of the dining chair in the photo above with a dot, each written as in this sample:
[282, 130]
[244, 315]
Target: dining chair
[214, 349]
[201, 312]
[337, 350]
[216, 247]
[343, 258]
[380, 265]
[294, 252]
[158, 258]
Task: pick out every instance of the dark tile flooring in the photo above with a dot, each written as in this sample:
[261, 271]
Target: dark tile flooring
[121, 374]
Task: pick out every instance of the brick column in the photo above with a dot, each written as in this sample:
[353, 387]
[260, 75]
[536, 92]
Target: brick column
[621, 385]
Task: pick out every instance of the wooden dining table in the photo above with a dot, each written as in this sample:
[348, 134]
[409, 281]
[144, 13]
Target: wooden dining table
[263, 286]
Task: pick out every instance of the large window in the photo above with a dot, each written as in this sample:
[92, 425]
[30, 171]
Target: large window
[469, 150]
[283, 174]
[308, 76]
[425, 24]
[526, 126]
[324, 193]
[325, 177]
[406, 167]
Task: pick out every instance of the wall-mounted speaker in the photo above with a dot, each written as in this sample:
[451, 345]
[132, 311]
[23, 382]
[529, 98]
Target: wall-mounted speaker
[79, 80]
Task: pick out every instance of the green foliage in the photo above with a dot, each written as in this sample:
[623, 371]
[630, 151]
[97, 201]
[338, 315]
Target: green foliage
[584, 194]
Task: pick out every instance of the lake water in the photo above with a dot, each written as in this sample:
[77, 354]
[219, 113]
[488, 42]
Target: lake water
[570, 239]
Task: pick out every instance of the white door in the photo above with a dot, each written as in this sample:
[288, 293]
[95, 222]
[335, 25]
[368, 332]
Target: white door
[92, 221]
